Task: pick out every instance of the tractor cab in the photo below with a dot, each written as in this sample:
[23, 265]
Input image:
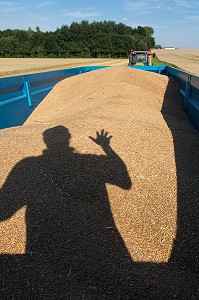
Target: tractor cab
[140, 58]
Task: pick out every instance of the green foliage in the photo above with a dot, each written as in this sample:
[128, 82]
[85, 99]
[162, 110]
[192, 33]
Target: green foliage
[96, 39]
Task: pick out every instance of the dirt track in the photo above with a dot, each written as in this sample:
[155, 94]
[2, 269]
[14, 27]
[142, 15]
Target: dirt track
[187, 60]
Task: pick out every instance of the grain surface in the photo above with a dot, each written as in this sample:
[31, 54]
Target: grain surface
[87, 220]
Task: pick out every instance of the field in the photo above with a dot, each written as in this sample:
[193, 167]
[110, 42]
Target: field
[187, 60]
[16, 66]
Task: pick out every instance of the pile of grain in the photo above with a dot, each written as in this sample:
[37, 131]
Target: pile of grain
[129, 104]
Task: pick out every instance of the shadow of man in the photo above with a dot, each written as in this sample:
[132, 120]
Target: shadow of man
[73, 246]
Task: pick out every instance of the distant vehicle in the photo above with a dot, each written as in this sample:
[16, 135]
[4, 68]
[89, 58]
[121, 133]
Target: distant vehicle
[158, 47]
[140, 58]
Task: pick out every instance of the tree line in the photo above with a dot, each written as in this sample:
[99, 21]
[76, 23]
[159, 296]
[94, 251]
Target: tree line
[91, 40]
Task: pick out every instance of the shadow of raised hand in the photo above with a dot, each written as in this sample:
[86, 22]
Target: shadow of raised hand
[102, 138]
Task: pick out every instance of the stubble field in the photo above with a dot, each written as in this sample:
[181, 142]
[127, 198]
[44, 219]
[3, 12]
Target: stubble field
[187, 60]
[17, 66]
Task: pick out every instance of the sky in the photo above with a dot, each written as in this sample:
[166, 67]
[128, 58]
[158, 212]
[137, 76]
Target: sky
[175, 22]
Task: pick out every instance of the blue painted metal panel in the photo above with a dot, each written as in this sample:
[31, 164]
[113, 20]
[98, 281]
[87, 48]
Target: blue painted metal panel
[14, 113]
[40, 84]
[11, 87]
[194, 87]
[179, 74]
[189, 91]
[20, 95]
[192, 112]
[192, 108]
[182, 77]
[155, 69]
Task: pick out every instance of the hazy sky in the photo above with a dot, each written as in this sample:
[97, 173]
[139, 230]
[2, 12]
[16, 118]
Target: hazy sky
[175, 22]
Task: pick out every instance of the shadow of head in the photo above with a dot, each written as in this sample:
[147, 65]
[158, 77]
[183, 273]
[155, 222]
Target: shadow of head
[56, 135]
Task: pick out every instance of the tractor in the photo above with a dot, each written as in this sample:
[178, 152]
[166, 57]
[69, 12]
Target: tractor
[140, 58]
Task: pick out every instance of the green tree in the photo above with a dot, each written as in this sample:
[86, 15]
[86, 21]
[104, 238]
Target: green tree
[50, 46]
[8, 46]
[96, 39]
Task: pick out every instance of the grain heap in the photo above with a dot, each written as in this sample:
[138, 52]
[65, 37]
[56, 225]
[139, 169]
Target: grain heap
[136, 108]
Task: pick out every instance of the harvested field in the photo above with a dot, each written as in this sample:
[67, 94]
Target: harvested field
[187, 60]
[86, 216]
[16, 66]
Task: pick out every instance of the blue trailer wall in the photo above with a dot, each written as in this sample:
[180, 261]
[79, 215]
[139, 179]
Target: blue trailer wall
[20, 95]
[189, 91]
